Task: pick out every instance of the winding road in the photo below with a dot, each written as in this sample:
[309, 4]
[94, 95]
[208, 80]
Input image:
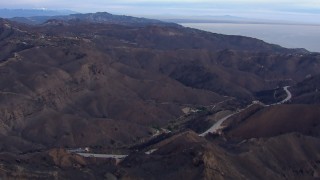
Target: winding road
[213, 129]
[218, 125]
[288, 98]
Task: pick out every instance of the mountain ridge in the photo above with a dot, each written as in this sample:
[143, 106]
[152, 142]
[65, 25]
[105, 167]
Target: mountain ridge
[11, 13]
[137, 90]
[98, 17]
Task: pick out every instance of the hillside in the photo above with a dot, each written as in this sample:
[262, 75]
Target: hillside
[277, 120]
[142, 76]
[125, 85]
[307, 91]
[184, 156]
[187, 156]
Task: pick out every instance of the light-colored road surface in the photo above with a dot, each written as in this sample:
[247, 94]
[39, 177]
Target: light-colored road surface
[102, 155]
[288, 98]
[150, 151]
[218, 125]
[289, 95]
[112, 156]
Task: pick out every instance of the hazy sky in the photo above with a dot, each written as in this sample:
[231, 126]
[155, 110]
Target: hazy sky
[295, 10]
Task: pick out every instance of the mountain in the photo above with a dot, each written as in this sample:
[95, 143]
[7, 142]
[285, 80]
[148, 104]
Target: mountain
[277, 120]
[127, 76]
[100, 17]
[125, 85]
[11, 13]
[183, 156]
[83, 83]
[307, 91]
[187, 156]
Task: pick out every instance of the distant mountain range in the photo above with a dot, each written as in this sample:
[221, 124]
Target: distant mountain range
[10, 13]
[99, 17]
[39, 16]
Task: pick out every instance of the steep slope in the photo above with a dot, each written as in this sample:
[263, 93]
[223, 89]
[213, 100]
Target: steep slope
[183, 156]
[53, 164]
[277, 120]
[64, 92]
[187, 156]
[137, 76]
[113, 86]
[307, 91]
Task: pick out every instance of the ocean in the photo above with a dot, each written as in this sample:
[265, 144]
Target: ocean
[286, 35]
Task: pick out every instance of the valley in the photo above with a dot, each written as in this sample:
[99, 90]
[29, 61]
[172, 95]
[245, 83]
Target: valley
[153, 100]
